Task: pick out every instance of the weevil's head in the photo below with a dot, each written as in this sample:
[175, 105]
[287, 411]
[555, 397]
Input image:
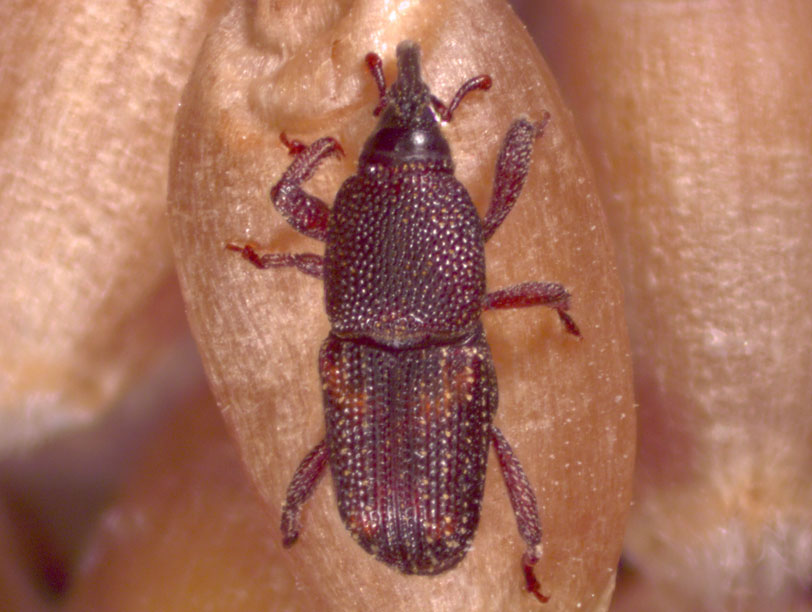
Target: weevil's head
[408, 130]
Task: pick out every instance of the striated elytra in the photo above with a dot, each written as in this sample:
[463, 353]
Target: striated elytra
[407, 376]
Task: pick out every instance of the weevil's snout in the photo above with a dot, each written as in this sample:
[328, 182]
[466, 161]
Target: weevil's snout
[410, 94]
[408, 130]
[409, 98]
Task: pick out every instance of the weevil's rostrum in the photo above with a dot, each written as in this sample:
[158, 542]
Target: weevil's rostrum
[408, 381]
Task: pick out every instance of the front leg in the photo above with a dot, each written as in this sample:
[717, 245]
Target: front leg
[512, 167]
[306, 213]
[552, 295]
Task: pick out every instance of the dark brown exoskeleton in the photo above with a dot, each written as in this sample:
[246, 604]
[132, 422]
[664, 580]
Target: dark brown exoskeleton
[407, 376]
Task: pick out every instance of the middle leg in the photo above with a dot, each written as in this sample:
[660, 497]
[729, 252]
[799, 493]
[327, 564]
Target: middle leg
[309, 263]
[552, 295]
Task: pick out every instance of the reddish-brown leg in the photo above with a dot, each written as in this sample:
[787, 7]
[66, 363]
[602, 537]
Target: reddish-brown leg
[309, 263]
[525, 507]
[552, 295]
[306, 213]
[307, 476]
[512, 167]
[295, 147]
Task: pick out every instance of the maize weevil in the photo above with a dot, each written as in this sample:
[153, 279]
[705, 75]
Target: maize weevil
[408, 382]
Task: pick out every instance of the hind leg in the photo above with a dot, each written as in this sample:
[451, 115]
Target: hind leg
[523, 501]
[304, 482]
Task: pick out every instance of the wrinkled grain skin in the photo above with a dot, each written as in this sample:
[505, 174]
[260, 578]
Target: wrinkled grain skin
[408, 382]
[408, 433]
